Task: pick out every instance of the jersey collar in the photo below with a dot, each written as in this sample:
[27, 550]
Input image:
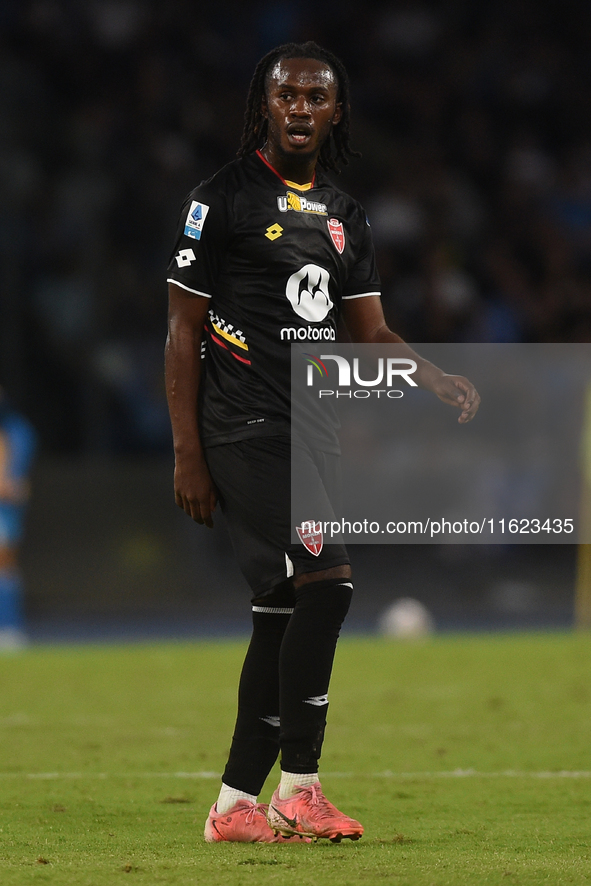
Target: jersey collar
[287, 184]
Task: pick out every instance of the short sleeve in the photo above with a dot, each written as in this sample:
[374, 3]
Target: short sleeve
[200, 245]
[363, 278]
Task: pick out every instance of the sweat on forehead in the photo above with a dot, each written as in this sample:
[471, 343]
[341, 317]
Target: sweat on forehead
[303, 70]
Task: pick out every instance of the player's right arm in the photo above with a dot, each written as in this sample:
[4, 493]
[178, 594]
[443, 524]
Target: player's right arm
[194, 490]
[192, 278]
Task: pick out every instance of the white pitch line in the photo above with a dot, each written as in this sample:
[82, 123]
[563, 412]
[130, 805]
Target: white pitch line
[51, 776]
[473, 773]
[455, 773]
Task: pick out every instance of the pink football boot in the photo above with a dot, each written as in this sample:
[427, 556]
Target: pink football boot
[310, 814]
[245, 822]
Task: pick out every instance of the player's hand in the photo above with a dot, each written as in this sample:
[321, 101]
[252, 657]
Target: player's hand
[194, 490]
[455, 390]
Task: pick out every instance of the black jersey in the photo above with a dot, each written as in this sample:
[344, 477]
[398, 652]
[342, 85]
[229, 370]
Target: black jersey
[276, 261]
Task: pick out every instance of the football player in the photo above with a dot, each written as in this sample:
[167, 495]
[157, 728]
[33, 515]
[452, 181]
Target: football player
[269, 251]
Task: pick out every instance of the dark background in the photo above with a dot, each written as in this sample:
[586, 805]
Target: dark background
[474, 121]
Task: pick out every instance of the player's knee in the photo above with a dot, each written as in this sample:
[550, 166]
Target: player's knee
[331, 596]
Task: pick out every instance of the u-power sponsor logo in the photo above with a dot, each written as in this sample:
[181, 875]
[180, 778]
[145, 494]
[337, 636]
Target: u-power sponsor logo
[389, 371]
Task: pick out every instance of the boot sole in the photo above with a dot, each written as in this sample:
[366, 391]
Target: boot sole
[334, 838]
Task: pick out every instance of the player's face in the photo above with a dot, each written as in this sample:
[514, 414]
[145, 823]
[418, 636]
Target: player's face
[301, 106]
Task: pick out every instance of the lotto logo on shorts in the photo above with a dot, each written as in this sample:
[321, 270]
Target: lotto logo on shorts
[310, 535]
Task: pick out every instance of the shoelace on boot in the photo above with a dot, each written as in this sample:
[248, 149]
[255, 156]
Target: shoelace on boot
[258, 809]
[324, 808]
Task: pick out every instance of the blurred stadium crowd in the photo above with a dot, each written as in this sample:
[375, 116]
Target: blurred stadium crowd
[474, 121]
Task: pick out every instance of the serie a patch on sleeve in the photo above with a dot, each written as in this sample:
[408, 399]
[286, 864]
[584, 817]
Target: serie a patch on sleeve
[196, 219]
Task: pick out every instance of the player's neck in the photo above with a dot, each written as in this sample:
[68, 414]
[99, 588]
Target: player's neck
[295, 169]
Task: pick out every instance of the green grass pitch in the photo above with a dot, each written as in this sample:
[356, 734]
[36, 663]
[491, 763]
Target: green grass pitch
[467, 759]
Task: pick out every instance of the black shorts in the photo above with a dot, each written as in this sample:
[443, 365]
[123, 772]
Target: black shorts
[253, 478]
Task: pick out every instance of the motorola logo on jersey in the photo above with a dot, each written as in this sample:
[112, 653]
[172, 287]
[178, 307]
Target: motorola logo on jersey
[307, 291]
[300, 204]
[308, 333]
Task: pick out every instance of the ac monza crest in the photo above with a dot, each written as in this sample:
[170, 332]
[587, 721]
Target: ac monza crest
[337, 233]
[310, 535]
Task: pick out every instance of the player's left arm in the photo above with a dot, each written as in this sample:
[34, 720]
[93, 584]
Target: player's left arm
[365, 321]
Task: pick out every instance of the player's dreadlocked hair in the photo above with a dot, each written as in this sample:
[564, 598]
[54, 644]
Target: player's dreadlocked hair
[336, 149]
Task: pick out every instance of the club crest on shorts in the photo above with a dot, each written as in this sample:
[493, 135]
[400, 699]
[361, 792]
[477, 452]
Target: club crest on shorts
[337, 233]
[310, 535]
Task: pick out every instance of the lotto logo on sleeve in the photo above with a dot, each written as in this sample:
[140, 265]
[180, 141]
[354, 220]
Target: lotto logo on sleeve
[185, 257]
[196, 219]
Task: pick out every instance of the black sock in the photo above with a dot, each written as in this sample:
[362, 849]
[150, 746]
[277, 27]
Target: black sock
[305, 665]
[255, 745]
